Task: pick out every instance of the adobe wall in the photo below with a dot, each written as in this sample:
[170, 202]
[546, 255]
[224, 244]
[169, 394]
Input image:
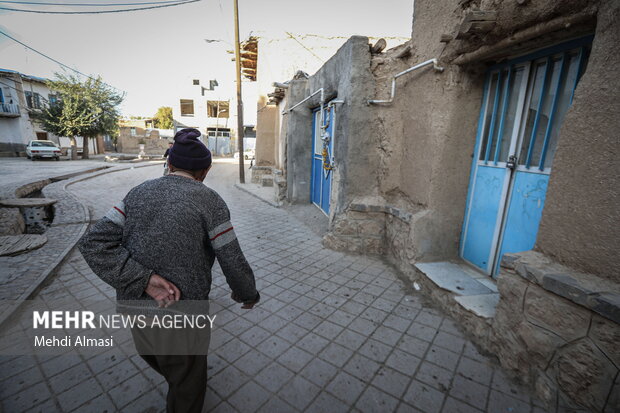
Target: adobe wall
[265, 132]
[427, 139]
[427, 135]
[580, 221]
[345, 76]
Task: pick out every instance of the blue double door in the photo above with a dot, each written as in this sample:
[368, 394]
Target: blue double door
[524, 104]
[322, 157]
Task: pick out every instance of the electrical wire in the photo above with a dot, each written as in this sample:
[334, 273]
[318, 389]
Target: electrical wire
[91, 4]
[181, 3]
[304, 46]
[54, 60]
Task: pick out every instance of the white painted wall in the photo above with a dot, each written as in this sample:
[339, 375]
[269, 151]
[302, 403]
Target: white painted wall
[224, 92]
[22, 129]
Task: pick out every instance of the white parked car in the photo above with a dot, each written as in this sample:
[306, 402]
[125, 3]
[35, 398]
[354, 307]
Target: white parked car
[247, 154]
[42, 149]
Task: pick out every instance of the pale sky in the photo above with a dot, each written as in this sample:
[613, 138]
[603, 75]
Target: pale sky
[149, 53]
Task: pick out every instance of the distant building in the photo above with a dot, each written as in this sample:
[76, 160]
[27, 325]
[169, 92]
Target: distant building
[280, 58]
[155, 141]
[20, 94]
[203, 106]
[137, 123]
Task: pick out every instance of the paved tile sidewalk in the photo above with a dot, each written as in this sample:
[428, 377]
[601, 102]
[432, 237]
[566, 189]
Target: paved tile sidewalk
[333, 333]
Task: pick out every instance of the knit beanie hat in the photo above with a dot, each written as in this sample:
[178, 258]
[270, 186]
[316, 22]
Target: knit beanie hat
[188, 152]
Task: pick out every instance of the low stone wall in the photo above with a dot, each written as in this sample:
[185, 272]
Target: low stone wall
[361, 229]
[357, 232]
[559, 331]
[152, 146]
[259, 171]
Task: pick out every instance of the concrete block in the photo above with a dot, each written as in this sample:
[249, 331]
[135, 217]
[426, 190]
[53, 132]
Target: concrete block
[566, 286]
[358, 207]
[451, 277]
[607, 304]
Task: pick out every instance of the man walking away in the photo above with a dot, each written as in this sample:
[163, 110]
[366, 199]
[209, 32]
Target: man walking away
[156, 248]
[166, 170]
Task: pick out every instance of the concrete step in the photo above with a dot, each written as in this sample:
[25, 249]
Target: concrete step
[267, 180]
[452, 277]
[481, 305]
[464, 288]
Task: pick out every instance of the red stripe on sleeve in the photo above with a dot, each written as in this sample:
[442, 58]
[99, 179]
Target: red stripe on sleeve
[119, 210]
[221, 233]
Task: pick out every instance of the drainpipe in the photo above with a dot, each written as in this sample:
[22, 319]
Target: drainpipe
[404, 72]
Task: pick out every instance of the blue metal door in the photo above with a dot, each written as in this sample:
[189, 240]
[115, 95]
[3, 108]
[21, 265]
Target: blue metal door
[322, 158]
[524, 104]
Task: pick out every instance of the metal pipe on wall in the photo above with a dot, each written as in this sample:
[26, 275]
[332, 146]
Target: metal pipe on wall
[321, 104]
[404, 72]
[299, 103]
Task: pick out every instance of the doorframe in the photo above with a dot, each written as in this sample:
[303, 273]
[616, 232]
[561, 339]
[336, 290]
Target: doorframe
[506, 195]
[515, 140]
[314, 111]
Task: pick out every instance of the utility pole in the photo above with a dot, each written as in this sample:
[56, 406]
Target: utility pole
[217, 124]
[239, 100]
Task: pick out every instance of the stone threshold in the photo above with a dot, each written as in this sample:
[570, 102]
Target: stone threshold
[471, 290]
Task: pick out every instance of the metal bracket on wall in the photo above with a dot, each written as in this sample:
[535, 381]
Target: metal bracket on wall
[404, 72]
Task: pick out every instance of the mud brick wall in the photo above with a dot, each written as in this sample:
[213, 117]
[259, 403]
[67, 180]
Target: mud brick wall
[358, 232]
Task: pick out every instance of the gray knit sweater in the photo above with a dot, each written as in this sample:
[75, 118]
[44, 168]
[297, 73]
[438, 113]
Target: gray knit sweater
[172, 226]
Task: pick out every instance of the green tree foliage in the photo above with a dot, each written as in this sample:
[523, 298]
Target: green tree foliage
[163, 118]
[86, 108]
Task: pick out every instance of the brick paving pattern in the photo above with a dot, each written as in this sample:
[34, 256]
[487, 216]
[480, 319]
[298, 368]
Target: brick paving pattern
[333, 333]
[19, 273]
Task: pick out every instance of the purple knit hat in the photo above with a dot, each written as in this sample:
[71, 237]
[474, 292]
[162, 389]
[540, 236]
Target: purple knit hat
[188, 152]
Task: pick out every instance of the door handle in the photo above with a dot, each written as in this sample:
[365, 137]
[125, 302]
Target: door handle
[512, 162]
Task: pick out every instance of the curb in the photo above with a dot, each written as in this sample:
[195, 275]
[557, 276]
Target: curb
[241, 188]
[47, 274]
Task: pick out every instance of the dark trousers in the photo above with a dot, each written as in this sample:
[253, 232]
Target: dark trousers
[187, 381]
[181, 358]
